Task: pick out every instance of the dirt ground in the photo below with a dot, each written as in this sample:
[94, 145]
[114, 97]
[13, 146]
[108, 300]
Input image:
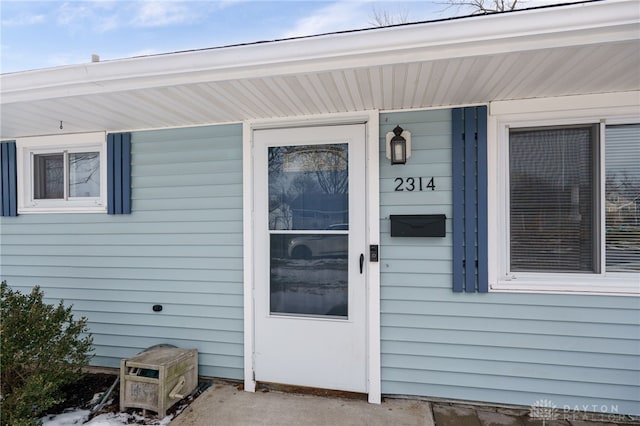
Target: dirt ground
[81, 394]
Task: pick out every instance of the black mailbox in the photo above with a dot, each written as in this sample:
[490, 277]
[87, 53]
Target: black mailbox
[418, 225]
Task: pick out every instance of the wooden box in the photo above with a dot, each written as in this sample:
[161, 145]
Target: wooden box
[158, 378]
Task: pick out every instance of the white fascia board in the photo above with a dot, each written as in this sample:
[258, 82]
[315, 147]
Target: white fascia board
[568, 25]
[576, 105]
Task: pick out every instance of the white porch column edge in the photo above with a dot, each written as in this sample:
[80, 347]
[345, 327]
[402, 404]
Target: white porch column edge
[247, 250]
[373, 270]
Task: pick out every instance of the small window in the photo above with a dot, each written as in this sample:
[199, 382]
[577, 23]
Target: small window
[62, 173]
[66, 175]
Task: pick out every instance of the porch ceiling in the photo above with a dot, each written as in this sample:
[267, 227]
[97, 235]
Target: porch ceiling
[577, 49]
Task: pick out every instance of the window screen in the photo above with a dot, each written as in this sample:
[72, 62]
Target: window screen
[48, 179]
[552, 201]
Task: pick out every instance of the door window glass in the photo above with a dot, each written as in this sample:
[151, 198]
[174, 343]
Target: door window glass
[308, 187]
[309, 191]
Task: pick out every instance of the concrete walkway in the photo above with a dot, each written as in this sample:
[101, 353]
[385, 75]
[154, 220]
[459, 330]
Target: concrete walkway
[225, 404]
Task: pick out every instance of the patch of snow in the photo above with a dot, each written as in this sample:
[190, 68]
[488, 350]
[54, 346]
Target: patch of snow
[79, 417]
[75, 417]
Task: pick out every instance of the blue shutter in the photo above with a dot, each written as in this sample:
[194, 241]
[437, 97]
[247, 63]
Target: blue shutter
[469, 185]
[458, 199]
[119, 173]
[8, 181]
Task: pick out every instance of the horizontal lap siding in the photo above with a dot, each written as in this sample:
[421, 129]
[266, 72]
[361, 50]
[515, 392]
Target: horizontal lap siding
[181, 248]
[502, 348]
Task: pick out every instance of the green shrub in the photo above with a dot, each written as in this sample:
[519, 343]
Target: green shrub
[43, 348]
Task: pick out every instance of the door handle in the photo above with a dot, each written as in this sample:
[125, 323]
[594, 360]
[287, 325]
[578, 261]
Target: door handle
[361, 262]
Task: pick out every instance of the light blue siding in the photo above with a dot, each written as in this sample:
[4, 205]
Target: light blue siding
[181, 248]
[502, 348]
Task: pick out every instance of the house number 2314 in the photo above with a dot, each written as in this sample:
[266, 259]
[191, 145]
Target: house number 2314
[415, 184]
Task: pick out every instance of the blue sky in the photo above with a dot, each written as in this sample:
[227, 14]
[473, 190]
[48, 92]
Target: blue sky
[41, 34]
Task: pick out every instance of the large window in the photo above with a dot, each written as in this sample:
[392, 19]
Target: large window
[62, 173]
[568, 198]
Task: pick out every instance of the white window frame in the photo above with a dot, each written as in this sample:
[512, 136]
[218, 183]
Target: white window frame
[26, 148]
[610, 109]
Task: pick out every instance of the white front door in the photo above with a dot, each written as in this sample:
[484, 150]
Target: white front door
[310, 287]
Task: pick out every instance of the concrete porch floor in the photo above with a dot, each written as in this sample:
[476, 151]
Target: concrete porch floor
[226, 404]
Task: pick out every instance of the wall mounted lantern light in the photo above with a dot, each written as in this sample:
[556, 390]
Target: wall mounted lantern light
[398, 145]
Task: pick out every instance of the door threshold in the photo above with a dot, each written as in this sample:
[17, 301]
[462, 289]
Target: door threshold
[306, 390]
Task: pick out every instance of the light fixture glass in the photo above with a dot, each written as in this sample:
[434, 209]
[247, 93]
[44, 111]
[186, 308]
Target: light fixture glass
[398, 147]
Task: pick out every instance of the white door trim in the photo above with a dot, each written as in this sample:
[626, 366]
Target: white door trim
[370, 118]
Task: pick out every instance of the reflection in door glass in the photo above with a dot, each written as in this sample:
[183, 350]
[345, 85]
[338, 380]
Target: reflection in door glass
[309, 274]
[308, 187]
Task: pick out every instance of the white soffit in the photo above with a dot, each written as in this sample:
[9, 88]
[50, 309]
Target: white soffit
[565, 50]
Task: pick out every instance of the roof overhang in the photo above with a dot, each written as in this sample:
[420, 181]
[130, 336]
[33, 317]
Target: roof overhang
[583, 48]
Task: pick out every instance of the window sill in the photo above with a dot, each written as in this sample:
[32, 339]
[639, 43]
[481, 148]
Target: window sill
[49, 210]
[601, 284]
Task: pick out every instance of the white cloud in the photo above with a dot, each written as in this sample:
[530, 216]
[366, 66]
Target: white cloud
[23, 20]
[338, 16]
[96, 15]
[158, 14]
[71, 12]
[106, 15]
[107, 23]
